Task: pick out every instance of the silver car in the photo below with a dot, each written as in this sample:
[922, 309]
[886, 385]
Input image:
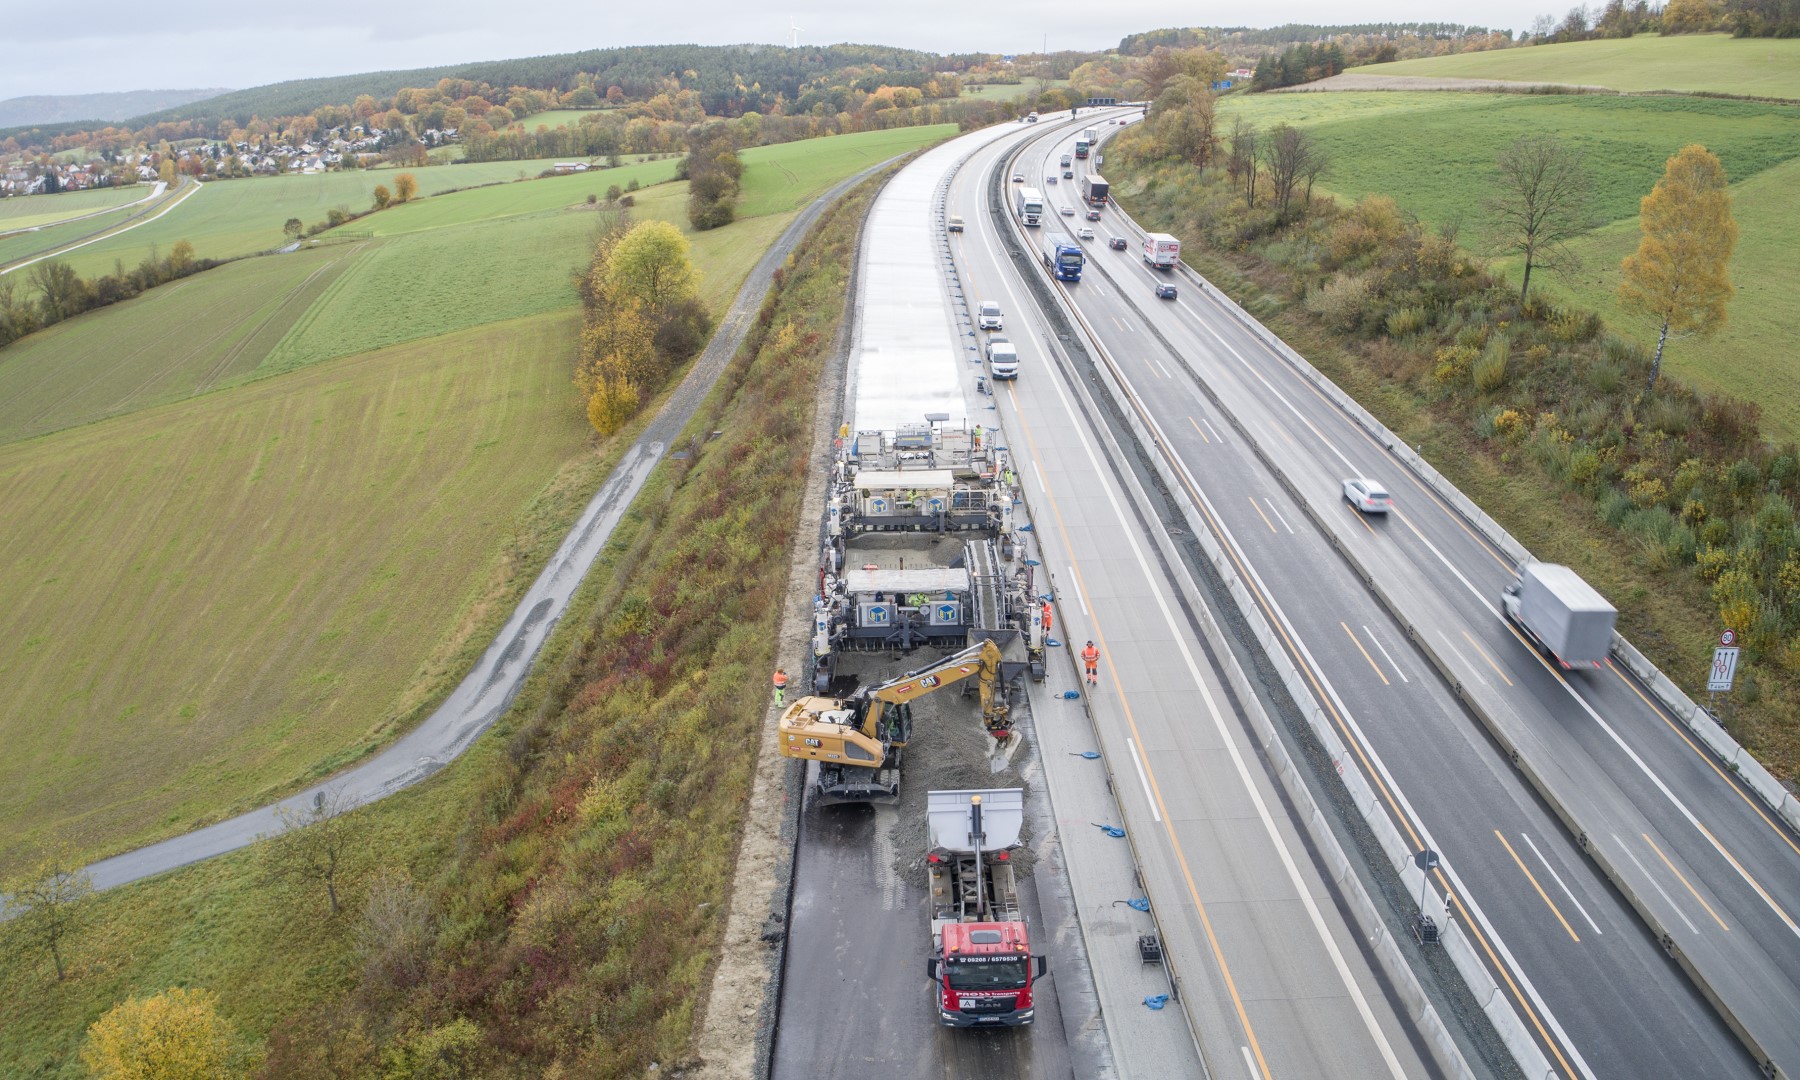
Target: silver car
[1366, 495]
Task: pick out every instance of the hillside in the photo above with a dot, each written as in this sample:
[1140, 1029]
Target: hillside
[65, 108]
[1695, 63]
[719, 73]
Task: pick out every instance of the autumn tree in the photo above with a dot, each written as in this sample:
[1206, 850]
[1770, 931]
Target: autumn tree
[382, 196]
[1689, 17]
[1542, 203]
[1293, 158]
[1242, 158]
[59, 288]
[43, 912]
[406, 187]
[650, 264]
[1679, 276]
[175, 1035]
[293, 228]
[314, 842]
[1187, 120]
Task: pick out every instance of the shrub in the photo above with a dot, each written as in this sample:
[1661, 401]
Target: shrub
[1453, 363]
[1340, 303]
[1710, 562]
[1575, 326]
[1716, 531]
[1510, 425]
[1604, 376]
[1612, 506]
[1537, 354]
[1584, 466]
[1667, 414]
[1406, 321]
[1490, 370]
[1649, 491]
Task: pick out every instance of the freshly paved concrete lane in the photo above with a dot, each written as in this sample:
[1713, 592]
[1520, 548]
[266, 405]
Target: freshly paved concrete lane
[484, 694]
[1274, 980]
[1627, 1010]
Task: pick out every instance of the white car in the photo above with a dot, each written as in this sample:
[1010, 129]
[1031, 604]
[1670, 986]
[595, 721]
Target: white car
[1085, 233]
[1018, 178]
[988, 316]
[1366, 495]
[1068, 211]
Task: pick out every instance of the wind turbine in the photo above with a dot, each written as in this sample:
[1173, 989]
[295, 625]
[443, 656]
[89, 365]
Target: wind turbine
[793, 33]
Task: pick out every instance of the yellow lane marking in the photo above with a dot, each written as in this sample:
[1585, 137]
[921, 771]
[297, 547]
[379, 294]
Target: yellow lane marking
[1360, 519]
[1212, 938]
[1485, 656]
[1683, 878]
[1351, 634]
[1545, 897]
[1664, 716]
[1201, 430]
[1260, 514]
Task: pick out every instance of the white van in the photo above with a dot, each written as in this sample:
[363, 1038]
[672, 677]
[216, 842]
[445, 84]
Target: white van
[989, 318]
[1003, 359]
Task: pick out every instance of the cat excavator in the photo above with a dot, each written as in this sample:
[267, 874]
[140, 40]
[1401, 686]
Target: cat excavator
[858, 740]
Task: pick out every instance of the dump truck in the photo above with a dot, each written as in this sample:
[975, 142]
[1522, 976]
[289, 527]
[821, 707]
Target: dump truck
[981, 967]
[1560, 614]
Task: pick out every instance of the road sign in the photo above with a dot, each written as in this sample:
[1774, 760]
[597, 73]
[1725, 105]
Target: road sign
[1728, 638]
[1724, 669]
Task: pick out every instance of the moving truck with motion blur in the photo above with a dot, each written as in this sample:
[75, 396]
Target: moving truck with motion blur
[1028, 203]
[1560, 614]
[1162, 250]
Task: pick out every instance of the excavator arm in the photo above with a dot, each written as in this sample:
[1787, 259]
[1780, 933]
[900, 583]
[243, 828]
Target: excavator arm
[981, 660]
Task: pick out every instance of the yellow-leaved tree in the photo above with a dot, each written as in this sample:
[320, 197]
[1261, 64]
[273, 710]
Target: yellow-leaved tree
[175, 1035]
[1679, 276]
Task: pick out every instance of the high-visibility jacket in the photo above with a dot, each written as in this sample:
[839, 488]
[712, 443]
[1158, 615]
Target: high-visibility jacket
[1091, 655]
[1047, 617]
[781, 679]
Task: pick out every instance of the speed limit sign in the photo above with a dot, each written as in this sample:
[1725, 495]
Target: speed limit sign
[1728, 639]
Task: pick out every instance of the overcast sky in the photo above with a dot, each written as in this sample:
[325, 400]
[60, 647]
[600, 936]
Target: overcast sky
[74, 48]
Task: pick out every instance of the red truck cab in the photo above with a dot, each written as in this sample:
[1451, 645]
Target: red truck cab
[985, 975]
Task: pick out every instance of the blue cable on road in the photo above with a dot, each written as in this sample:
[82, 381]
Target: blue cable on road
[1156, 1001]
[1089, 754]
[1141, 903]
[1111, 830]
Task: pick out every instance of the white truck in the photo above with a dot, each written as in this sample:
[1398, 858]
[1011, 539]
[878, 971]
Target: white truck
[1560, 614]
[1162, 250]
[1028, 203]
[1003, 359]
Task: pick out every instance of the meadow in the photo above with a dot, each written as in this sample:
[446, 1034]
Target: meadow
[182, 339]
[33, 211]
[1011, 91]
[1710, 63]
[787, 176]
[228, 218]
[250, 588]
[24, 245]
[1434, 153]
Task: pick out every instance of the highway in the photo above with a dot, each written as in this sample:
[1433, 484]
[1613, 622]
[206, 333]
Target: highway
[1260, 451]
[1271, 980]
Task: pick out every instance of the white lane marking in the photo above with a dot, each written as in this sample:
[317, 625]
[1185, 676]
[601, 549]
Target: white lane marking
[1038, 475]
[1277, 841]
[1384, 653]
[1278, 517]
[1159, 367]
[1667, 899]
[1558, 877]
[1215, 431]
[1142, 779]
[1467, 895]
[1463, 660]
[108, 236]
[1248, 1064]
[1079, 598]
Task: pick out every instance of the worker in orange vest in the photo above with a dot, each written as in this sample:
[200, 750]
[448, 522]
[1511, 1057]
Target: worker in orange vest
[780, 685]
[1091, 657]
[1047, 619]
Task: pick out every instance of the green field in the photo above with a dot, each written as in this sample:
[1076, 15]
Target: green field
[31, 211]
[1012, 91]
[248, 585]
[228, 218]
[185, 338]
[1434, 153]
[1713, 63]
[553, 119]
[787, 176]
[508, 200]
[23, 245]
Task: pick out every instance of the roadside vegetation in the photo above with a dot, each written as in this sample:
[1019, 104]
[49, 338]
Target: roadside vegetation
[548, 905]
[1668, 499]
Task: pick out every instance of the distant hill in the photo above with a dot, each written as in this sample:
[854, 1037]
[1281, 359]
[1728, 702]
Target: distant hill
[63, 108]
[1690, 63]
[717, 72]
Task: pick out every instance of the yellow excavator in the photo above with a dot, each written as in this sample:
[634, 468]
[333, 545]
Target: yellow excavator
[858, 740]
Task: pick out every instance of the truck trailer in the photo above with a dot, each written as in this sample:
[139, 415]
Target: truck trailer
[1094, 189]
[1162, 250]
[1560, 614]
[981, 967]
[1062, 256]
[1028, 203]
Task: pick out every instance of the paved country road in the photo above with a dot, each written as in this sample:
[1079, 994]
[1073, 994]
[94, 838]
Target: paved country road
[484, 695]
